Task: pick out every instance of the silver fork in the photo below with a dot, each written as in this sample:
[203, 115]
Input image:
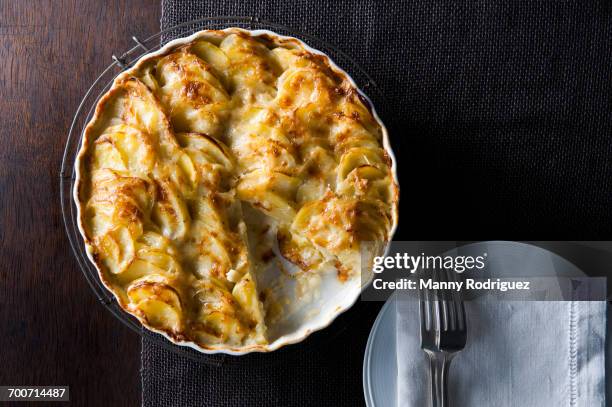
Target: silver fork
[443, 334]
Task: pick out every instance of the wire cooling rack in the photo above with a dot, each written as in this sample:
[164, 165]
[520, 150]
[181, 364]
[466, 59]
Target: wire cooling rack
[84, 113]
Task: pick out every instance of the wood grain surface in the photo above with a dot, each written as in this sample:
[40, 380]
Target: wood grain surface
[53, 331]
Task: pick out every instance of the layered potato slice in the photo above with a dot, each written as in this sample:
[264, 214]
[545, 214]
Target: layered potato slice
[252, 73]
[155, 301]
[206, 160]
[189, 136]
[131, 103]
[348, 194]
[339, 225]
[259, 142]
[194, 98]
[116, 213]
[163, 223]
[270, 191]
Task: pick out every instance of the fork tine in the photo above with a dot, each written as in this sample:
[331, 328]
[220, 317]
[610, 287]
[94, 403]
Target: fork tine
[442, 303]
[460, 306]
[451, 302]
[424, 318]
[432, 310]
[424, 321]
[461, 313]
[438, 313]
[425, 306]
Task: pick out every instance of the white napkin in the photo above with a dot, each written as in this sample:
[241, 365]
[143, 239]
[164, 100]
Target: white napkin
[528, 354]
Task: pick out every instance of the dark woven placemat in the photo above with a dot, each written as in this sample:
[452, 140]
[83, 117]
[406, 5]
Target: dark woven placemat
[325, 370]
[500, 115]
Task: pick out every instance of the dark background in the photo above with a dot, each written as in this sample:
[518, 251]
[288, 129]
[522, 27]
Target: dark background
[53, 331]
[500, 117]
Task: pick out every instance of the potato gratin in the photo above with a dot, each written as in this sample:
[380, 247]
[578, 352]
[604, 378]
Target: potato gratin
[193, 136]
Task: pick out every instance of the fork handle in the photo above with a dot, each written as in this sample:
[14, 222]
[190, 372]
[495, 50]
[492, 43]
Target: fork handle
[439, 364]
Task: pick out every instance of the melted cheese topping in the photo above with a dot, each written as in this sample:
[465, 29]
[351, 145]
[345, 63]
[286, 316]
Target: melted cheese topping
[184, 139]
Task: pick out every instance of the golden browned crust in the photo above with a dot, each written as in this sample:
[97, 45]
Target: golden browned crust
[186, 137]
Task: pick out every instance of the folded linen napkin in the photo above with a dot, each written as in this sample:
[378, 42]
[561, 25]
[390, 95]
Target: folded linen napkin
[528, 354]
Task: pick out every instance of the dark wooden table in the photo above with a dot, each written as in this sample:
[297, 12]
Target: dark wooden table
[53, 331]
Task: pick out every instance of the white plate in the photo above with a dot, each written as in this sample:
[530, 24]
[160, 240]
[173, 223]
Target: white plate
[379, 362]
[380, 365]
